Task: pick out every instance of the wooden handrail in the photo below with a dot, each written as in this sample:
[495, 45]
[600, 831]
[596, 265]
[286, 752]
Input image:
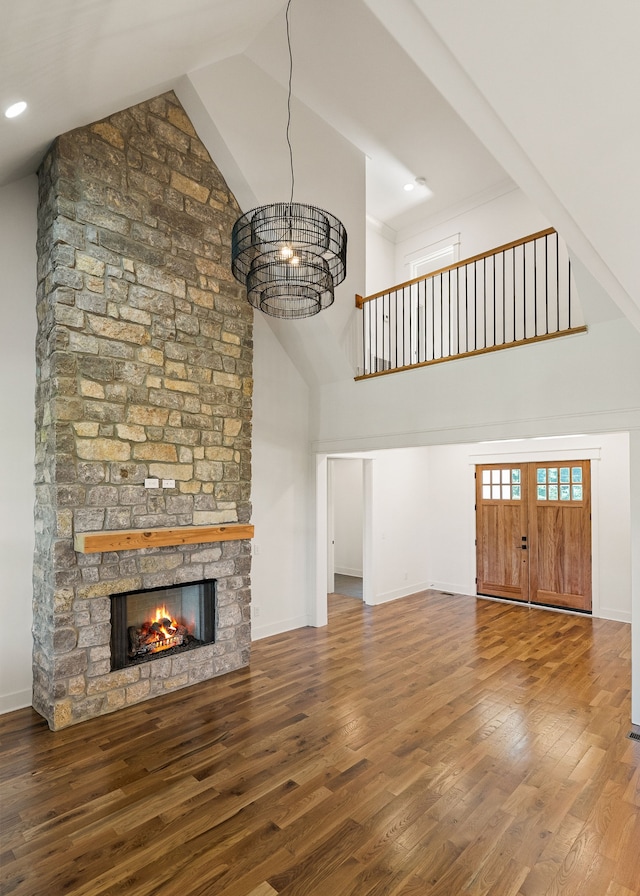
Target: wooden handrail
[360, 300]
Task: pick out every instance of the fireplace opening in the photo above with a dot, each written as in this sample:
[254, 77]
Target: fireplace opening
[158, 622]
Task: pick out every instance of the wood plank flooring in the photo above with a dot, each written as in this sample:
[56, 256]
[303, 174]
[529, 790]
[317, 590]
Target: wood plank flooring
[435, 746]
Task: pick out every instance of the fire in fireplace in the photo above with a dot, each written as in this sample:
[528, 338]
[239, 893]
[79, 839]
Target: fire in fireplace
[151, 623]
[159, 633]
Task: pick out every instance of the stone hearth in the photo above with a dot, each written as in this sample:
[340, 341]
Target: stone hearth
[144, 359]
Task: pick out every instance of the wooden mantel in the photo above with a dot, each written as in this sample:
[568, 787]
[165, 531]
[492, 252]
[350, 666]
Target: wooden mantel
[134, 539]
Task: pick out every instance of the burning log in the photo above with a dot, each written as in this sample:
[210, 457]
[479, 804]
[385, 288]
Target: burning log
[155, 636]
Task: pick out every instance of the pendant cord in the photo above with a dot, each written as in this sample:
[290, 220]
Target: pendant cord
[289, 101]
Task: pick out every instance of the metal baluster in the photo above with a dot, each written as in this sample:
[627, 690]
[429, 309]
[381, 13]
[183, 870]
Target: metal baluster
[513, 275]
[389, 332]
[494, 300]
[458, 310]
[365, 320]
[546, 283]
[535, 288]
[397, 321]
[569, 288]
[421, 323]
[410, 329]
[504, 298]
[449, 352]
[475, 305]
[524, 287]
[466, 307]
[558, 275]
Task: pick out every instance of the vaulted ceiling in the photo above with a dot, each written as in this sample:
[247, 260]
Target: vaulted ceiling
[471, 96]
[76, 61]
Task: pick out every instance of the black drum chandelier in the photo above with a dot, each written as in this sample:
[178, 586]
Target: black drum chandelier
[290, 256]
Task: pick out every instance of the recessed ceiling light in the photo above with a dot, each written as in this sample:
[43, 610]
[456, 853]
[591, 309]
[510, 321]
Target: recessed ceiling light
[16, 109]
[408, 187]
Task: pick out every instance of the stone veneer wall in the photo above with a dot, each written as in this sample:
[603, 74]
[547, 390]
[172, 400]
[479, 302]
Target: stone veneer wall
[144, 361]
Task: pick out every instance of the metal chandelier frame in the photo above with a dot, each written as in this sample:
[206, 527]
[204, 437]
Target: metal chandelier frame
[289, 255]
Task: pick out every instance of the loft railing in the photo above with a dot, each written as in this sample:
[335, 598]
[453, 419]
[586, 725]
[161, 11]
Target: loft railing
[516, 294]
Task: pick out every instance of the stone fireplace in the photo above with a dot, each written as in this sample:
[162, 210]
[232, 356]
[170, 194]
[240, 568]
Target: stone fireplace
[143, 406]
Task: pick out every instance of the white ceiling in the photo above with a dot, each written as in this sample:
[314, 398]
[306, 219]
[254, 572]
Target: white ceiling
[76, 61]
[545, 96]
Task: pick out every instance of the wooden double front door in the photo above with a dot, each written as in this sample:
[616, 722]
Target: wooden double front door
[533, 532]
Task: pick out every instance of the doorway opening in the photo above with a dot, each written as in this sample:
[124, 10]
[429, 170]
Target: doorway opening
[345, 548]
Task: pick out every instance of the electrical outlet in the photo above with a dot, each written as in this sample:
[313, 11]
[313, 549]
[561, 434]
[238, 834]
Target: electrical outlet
[256, 611]
[152, 483]
[168, 483]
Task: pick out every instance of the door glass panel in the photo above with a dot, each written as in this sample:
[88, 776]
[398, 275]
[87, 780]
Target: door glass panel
[502, 485]
[576, 492]
[564, 474]
[553, 492]
[565, 493]
[542, 493]
[541, 475]
[553, 474]
[576, 474]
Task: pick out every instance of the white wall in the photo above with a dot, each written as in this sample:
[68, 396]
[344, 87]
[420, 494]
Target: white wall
[398, 517]
[380, 259]
[281, 577]
[347, 494]
[499, 220]
[17, 373]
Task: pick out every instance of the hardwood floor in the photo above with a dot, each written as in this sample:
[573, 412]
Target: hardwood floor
[347, 586]
[434, 746]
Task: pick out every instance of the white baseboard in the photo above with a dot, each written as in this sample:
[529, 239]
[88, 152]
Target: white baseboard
[259, 631]
[10, 702]
[454, 588]
[613, 615]
[397, 593]
[346, 571]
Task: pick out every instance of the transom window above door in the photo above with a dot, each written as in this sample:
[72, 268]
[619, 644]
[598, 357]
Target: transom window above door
[502, 485]
[564, 484]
